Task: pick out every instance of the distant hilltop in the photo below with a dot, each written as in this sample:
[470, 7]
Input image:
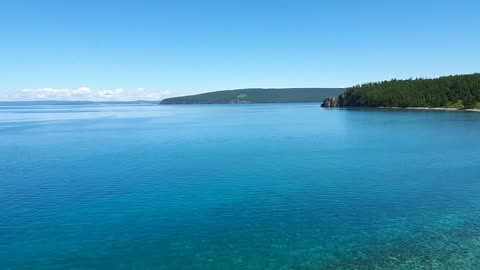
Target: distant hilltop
[449, 92]
[258, 95]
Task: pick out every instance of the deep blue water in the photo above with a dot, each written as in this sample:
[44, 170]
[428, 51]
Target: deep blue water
[238, 187]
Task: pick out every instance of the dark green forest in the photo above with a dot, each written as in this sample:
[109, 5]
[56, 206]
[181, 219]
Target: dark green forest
[459, 91]
[258, 95]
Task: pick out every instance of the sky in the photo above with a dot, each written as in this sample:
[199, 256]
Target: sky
[131, 50]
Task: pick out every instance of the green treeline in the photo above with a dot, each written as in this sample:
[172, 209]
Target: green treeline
[459, 91]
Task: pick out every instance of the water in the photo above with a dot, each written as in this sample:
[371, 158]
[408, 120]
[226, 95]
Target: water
[238, 187]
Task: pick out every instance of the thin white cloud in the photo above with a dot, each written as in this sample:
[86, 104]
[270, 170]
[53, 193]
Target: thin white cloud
[86, 94]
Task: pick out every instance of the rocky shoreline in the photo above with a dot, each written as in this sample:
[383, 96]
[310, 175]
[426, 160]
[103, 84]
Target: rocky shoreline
[337, 102]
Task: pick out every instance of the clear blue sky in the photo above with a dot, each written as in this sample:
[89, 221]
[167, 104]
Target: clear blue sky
[193, 46]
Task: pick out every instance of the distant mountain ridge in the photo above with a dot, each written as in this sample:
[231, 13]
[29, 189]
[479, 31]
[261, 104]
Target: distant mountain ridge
[257, 95]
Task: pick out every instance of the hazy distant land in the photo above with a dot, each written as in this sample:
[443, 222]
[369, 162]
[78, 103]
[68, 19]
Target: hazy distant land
[68, 102]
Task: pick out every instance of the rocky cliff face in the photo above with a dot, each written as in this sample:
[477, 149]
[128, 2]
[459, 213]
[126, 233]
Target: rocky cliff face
[335, 102]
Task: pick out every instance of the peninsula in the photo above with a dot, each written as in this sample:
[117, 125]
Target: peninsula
[258, 95]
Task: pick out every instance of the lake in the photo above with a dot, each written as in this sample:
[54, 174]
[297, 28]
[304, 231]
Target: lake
[283, 186]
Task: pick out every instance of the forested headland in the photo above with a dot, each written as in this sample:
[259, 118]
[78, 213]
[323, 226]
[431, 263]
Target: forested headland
[458, 91]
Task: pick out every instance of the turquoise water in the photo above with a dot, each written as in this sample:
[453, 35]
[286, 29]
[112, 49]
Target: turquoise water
[238, 187]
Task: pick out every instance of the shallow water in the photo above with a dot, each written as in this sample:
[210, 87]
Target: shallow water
[238, 187]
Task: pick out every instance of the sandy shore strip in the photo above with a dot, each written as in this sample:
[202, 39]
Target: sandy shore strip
[431, 109]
